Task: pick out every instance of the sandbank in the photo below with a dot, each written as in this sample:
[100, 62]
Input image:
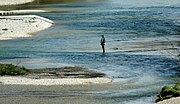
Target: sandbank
[15, 12]
[170, 101]
[14, 2]
[19, 80]
[22, 26]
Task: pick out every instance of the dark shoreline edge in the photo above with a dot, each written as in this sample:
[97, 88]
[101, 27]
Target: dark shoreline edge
[64, 72]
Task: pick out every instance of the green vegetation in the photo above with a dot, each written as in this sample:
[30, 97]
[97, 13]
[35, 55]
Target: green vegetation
[9, 69]
[169, 92]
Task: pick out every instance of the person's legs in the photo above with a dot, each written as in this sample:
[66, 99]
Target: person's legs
[103, 48]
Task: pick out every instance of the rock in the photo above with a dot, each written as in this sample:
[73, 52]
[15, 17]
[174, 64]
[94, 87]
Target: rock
[65, 72]
[5, 29]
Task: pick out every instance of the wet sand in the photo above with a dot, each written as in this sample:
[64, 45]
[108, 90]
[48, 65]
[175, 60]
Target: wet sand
[65, 94]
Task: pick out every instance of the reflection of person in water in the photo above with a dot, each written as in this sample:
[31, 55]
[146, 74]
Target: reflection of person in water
[103, 43]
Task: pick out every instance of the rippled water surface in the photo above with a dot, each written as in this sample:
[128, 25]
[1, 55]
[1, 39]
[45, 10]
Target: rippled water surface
[141, 37]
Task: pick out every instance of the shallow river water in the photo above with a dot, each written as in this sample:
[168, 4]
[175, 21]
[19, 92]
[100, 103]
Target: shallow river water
[142, 38]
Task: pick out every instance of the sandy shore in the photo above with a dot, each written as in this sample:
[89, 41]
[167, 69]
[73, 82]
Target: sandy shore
[12, 80]
[22, 26]
[14, 2]
[171, 101]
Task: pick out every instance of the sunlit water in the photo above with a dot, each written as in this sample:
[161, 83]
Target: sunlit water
[134, 29]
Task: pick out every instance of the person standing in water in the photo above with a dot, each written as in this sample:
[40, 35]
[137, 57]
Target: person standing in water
[102, 42]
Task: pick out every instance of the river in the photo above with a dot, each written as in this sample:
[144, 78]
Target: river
[142, 39]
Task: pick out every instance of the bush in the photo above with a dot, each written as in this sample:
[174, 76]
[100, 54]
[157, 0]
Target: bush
[169, 92]
[9, 69]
